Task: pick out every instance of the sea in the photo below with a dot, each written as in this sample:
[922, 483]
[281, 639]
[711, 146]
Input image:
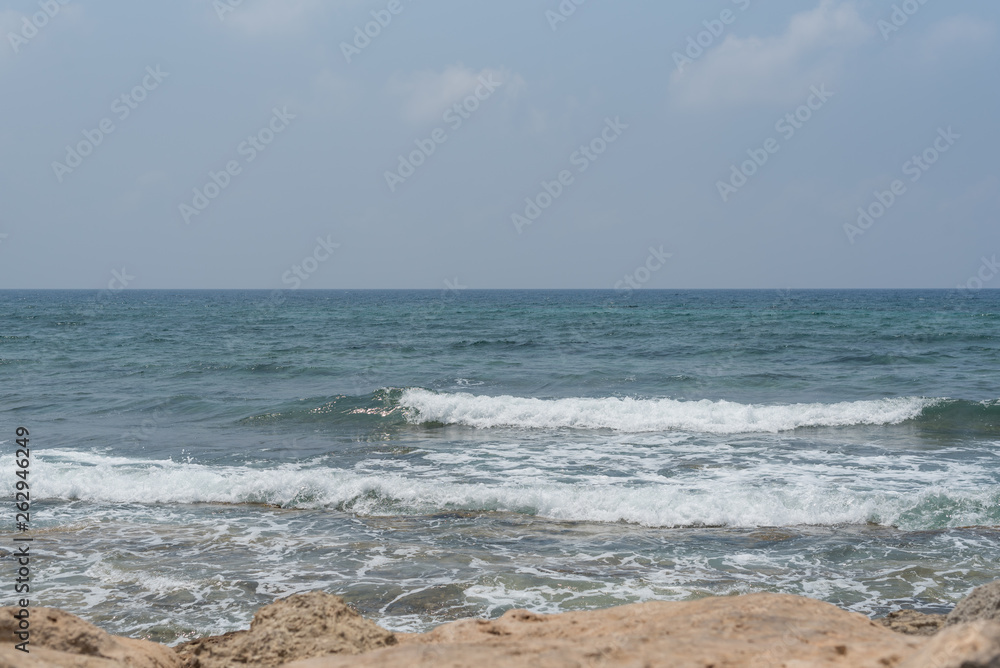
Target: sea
[437, 455]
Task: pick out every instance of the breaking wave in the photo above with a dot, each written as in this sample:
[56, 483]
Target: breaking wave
[642, 415]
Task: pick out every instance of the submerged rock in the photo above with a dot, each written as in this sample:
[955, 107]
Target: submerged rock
[982, 603]
[429, 600]
[297, 627]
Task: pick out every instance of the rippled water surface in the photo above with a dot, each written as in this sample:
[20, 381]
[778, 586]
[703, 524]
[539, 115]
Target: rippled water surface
[433, 456]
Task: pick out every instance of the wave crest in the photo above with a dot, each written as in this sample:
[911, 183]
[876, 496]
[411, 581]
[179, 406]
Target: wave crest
[644, 415]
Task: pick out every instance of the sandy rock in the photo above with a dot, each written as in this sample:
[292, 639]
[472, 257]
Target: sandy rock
[61, 640]
[753, 630]
[982, 603]
[297, 627]
[972, 645]
[318, 630]
[912, 623]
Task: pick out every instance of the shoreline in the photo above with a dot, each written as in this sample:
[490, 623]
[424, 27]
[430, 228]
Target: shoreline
[318, 630]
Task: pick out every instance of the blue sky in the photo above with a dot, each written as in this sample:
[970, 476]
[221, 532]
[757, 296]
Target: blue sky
[724, 144]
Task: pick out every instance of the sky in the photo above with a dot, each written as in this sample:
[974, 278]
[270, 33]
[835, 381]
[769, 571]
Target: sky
[347, 144]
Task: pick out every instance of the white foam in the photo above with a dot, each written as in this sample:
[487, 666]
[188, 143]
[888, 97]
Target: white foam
[763, 493]
[642, 415]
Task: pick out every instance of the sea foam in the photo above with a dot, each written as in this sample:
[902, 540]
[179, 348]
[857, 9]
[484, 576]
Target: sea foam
[641, 415]
[765, 495]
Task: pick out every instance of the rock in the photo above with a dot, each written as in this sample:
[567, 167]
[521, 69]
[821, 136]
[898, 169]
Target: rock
[752, 630]
[318, 630]
[912, 623]
[972, 645]
[60, 640]
[427, 600]
[297, 627]
[982, 603]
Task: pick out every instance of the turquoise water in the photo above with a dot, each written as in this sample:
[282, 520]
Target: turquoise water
[435, 455]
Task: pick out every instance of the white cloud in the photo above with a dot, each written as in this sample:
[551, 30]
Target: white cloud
[427, 94]
[774, 70]
[257, 17]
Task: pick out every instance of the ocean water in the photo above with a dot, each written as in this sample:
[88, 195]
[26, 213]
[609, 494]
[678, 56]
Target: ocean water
[437, 455]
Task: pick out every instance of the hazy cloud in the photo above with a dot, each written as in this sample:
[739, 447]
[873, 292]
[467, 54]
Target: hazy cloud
[745, 70]
[256, 17]
[427, 94]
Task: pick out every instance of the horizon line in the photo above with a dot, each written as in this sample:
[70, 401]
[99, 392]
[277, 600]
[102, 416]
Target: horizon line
[468, 289]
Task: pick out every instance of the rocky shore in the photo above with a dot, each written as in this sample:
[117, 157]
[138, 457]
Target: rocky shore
[317, 630]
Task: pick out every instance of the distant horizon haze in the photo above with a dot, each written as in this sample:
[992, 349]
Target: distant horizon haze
[352, 144]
